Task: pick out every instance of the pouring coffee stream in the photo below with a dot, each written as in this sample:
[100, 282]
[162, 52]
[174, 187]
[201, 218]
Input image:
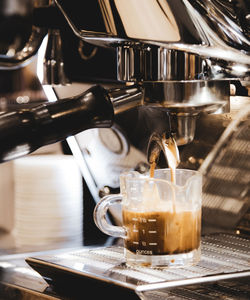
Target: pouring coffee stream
[160, 143]
[161, 224]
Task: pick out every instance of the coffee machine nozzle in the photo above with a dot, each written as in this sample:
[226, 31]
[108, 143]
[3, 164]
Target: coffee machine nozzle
[181, 63]
[184, 62]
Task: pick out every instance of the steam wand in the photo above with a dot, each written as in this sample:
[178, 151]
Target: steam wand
[26, 130]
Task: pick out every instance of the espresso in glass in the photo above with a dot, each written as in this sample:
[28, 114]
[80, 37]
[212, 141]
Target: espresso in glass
[162, 232]
[168, 230]
[161, 216]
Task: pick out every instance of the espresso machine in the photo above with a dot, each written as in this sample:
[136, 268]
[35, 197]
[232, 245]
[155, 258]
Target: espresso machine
[113, 72]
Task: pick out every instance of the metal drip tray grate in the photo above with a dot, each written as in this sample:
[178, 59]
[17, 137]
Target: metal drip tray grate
[224, 256]
[230, 290]
[226, 177]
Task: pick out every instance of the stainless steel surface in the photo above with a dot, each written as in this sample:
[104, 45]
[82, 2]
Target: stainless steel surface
[19, 281]
[236, 288]
[185, 100]
[226, 173]
[176, 59]
[149, 63]
[224, 256]
[185, 128]
[21, 58]
[126, 98]
[188, 96]
[207, 29]
[53, 63]
[15, 57]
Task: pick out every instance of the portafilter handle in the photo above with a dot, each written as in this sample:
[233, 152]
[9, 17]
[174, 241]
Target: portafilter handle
[25, 130]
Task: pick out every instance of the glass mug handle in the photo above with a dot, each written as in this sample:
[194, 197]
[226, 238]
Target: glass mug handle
[100, 213]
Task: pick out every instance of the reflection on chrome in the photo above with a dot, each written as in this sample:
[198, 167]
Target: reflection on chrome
[182, 29]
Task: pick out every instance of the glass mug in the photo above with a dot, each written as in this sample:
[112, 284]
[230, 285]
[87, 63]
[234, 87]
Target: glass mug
[161, 221]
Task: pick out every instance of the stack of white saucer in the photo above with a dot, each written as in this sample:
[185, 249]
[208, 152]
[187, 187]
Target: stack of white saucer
[6, 197]
[48, 199]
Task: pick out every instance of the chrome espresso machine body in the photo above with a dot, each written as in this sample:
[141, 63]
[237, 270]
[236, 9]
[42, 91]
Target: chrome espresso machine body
[175, 66]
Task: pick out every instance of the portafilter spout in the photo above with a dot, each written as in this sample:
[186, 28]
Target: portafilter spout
[166, 144]
[181, 62]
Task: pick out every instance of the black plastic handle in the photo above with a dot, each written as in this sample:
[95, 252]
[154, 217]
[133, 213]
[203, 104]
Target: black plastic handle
[24, 131]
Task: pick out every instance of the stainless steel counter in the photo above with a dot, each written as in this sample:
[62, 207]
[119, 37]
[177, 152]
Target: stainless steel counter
[79, 271]
[17, 279]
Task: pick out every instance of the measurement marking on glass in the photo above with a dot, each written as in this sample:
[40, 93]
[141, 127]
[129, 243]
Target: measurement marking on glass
[151, 220]
[135, 230]
[136, 243]
[152, 244]
[134, 219]
[152, 231]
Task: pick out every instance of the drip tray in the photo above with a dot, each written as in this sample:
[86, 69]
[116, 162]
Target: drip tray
[224, 257]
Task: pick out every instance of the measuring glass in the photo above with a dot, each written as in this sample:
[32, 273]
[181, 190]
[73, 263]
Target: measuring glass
[161, 221]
